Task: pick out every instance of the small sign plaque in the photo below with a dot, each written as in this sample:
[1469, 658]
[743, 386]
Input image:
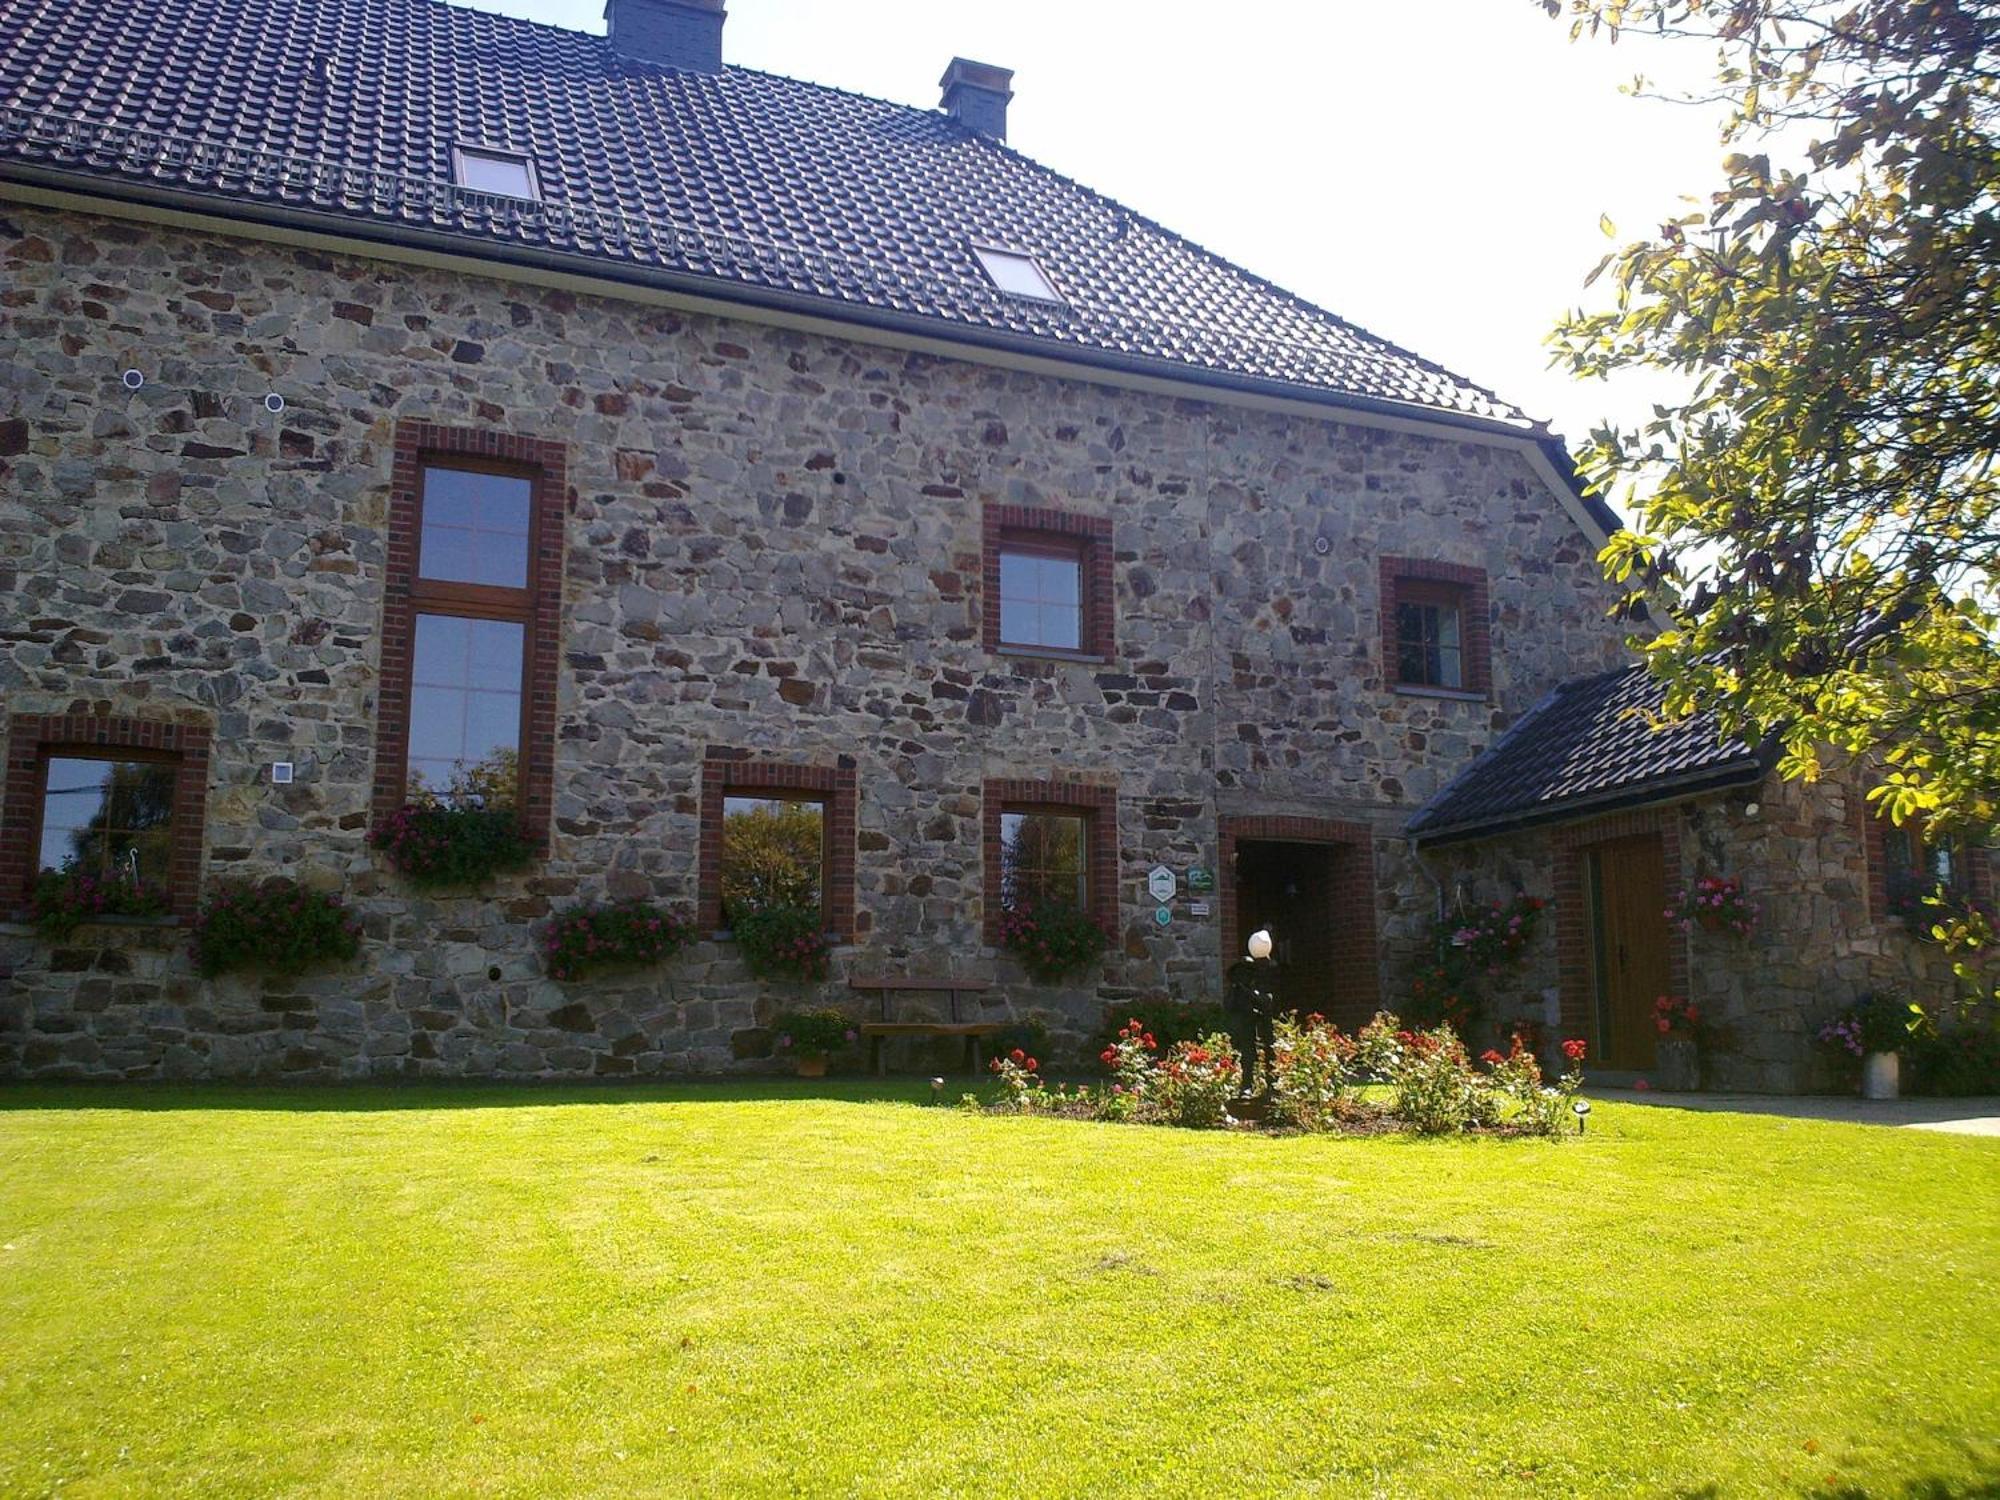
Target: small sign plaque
[1162, 883]
[1197, 908]
[1163, 916]
[1200, 878]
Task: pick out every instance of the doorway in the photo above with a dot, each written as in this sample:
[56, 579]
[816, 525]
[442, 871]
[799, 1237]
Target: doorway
[1631, 962]
[1290, 889]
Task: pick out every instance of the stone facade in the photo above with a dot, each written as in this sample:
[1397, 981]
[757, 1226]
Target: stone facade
[773, 544]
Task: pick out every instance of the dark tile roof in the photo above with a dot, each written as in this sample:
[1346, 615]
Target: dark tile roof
[1589, 746]
[765, 184]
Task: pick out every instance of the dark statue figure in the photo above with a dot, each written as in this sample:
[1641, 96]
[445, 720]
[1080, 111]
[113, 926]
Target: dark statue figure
[1251, 998]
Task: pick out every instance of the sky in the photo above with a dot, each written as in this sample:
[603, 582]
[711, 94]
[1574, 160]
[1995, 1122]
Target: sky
[1434, 172]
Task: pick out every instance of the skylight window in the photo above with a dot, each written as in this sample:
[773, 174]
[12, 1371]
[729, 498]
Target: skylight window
[502, 173]
[1017, 274]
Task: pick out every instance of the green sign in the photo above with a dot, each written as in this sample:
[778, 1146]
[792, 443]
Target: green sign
[1200, 878]
[1163, 916]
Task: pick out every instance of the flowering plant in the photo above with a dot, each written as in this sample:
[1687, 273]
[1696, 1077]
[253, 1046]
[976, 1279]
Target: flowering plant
[1053, 939]
[783, 942]
[279, 925]
[1717, 903]
[65, 899]
[451, 843]
[1880, 1022]
[1194, 1081]
[1436, 1090]
[1130, 1059]
[582, 938]
[1676, 1015]
[1540, 1108]
[1311, 1071]
[1474, 945]
[813, 1033]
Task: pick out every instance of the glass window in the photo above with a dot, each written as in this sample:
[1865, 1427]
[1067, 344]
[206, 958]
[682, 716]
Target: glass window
[1428, 650]
[773, 853]
[475, 527]
[1041, 596]
[499, 172]
[465, 708]
[1916, 867]
[1043, 860]
[108, 818]
[1017, 274]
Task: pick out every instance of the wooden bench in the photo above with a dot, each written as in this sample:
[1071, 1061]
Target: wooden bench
[882, 1027]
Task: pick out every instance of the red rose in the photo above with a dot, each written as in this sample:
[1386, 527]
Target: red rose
[1018, 1055]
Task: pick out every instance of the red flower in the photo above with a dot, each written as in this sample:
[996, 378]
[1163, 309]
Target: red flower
[1574, 1049]
[1032, 1065]
[1490, 1056]
[1018, 1055]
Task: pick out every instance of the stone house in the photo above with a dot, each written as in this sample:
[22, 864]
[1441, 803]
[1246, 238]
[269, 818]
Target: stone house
[389, 388]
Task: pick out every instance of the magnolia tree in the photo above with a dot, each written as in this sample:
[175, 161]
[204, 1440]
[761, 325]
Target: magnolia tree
[1815, 525]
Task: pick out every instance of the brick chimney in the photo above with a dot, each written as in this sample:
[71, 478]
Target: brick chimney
[976, 95]
[684, 34]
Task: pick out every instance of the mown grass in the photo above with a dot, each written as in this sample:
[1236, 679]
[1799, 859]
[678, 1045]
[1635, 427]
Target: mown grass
[771, 1289]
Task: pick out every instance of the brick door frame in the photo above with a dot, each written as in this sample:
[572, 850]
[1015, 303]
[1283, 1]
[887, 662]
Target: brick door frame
[1356, 945]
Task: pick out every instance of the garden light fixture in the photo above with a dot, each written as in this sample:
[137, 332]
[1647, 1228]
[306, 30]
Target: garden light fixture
[1582, 1108]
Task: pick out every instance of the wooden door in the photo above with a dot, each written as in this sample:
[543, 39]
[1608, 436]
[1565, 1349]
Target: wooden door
[1629, 891]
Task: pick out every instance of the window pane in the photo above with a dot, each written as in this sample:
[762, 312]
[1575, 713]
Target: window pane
[465, 708]
[495, 172]
[1427, 645]
[475, 527]
[1041, 599]
[108, 816]
[1019, 274]
[1042, 859]
[773, 850]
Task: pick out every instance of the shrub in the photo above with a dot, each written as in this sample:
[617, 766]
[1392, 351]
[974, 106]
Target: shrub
[433, 844]
[1193, 1083]
[1311, 1072]
[783, 942]
[1717, 903]
[63, 900]
[1437, 1092]
[813, 1033]
[1539, 1108]
[1958, 1055]
[1131, 1058]
[278, 925]
[1167, 1022]
[1052, 940]
[583, 938]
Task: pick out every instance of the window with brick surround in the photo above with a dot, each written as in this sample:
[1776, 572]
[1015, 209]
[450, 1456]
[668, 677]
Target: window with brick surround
[1048, 582]
[108, 797]
[1907, 864]
[470, 621]
[775, 832]
[1049, 840]
[1435, 631]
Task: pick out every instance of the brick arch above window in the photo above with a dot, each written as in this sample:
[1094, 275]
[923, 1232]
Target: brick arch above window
[33, 740]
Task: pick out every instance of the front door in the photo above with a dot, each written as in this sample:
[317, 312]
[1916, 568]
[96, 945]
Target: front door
[1289, 888]
[1628, 887]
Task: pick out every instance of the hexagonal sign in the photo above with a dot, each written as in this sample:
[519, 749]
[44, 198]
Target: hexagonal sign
[1161, 883]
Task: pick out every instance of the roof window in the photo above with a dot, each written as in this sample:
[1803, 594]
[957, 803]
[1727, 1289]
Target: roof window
[505, 174]
[1017, 274]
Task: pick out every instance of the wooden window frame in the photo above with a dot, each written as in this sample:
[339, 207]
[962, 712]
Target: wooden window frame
[1427, 581]
[730, 772]
[1051, 532]
[537, 606]
[1972, 870]
[1099, 805]
[33, 740]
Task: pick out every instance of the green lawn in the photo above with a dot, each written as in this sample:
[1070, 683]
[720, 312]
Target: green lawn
[776, 1289]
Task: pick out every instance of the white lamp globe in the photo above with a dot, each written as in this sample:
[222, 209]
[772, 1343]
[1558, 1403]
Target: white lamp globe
[1260, 944]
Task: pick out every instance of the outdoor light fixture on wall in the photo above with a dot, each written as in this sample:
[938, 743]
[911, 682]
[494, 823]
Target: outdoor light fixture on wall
[1260, 944]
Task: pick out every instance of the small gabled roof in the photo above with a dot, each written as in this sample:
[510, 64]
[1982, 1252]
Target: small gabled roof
[738, 184]
[1591, 746]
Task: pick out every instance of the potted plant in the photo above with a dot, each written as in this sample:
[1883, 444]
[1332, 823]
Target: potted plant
[1678, 1020]
[783, 942]
[1717, 904]
[811, 1037]
[1875, 1031]
[1053, 940]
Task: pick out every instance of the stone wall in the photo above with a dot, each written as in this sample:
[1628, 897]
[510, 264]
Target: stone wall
[773, 543]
